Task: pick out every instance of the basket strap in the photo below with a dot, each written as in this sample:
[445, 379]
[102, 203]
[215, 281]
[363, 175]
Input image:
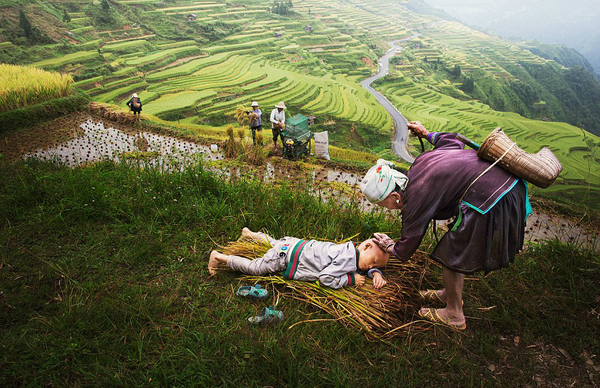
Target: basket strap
[459, 218]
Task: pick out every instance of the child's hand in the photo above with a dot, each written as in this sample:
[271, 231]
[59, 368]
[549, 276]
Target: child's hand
[360, 280]
[378, 280]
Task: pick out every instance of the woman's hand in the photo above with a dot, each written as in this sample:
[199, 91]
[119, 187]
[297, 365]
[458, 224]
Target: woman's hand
[417, 129]
[384, 242]
[378, 280]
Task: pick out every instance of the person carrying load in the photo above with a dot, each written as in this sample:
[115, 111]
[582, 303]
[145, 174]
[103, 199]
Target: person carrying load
[135, 104]
[490, 205]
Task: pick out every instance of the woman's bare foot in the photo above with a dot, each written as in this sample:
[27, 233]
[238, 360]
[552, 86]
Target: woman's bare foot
[216, 261]
[434, 295]
[444, 316]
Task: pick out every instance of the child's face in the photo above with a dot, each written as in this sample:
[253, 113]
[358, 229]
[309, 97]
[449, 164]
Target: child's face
[371, 256]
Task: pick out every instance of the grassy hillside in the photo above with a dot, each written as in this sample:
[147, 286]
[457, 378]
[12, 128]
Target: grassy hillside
[103, 278]
[104, 283]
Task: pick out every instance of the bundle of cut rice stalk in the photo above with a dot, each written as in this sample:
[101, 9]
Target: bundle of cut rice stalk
[381, 313]
[232, 148]
[242, 116]
[257, 154]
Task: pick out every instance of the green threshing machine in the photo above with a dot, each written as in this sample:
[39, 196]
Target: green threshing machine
[296, 137]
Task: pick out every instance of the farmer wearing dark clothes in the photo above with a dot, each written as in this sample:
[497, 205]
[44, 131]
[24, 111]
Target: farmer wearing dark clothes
[490, 206]
[135, 104]
[255, 120]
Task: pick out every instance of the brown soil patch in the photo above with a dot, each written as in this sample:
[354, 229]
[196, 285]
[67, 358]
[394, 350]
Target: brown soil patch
[368, 62]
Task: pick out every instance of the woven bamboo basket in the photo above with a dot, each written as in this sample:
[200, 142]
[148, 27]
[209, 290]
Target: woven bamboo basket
[541, 169]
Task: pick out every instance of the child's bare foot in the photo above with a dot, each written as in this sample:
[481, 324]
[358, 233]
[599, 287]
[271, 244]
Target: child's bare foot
[213, 263]
[247, 233]
[250, 235]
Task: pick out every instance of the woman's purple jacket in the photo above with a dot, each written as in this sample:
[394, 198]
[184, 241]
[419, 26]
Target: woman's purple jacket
[437, 181]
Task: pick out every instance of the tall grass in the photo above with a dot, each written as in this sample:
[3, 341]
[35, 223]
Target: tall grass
[21, 86]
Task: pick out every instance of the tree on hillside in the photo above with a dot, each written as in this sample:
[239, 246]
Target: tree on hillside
[31, 32]
[25, 24]
[282, 8]
[468, 85]
[457, 71]
[66, 17]
[105, 16]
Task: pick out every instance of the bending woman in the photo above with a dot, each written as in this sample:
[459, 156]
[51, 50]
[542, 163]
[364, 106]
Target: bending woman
[490, 206]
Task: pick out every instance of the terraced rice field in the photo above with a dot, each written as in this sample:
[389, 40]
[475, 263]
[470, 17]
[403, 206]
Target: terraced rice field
[439, 112]
[315, 72]
[318, 75]
[77, 57]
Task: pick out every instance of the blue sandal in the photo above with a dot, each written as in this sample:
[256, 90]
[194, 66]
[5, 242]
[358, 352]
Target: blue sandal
[267, 315]
[256, 292]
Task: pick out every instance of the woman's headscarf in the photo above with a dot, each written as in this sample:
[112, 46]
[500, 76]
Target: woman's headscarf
[381, 180]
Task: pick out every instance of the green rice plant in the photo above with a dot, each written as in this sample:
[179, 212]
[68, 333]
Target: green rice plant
[187, 8]
[124, 45]
[161, 54]
[112, 95]
[178, 101]
[77, 57]
[21, 86]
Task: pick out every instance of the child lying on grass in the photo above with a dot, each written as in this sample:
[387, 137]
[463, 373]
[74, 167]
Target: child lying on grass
[334, 265]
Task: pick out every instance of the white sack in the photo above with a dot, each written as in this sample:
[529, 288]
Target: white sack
[322, 145]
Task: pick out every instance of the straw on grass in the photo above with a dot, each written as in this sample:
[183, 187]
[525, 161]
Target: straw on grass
[379, 312]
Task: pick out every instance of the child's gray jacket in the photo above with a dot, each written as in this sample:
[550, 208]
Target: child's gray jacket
[332, 264]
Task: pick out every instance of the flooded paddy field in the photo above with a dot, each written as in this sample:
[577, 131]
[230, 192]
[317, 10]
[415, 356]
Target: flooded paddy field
[80, 139]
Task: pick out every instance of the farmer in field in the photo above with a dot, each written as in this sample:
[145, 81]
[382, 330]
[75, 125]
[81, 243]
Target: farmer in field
[278, 123]
[490, 207]
[135, 104]
[255, 120]
[333, 265]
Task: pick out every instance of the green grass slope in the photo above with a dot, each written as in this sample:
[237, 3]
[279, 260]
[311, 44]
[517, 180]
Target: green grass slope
[104, 283]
